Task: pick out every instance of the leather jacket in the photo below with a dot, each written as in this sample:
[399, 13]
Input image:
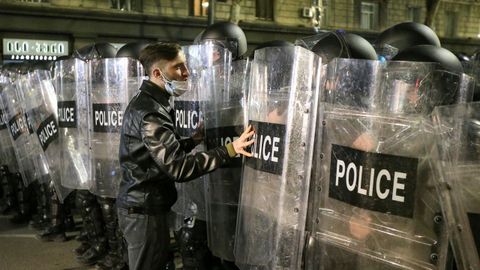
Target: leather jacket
[153, 156]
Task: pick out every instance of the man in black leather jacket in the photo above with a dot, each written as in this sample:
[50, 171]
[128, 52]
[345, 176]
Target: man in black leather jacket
[153, 157]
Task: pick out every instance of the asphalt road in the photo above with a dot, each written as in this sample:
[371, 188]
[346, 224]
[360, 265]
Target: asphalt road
[20, 250]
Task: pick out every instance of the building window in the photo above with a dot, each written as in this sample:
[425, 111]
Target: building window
[369, 15]
[33, 1]
[264, 9]
[451, 20]
[325, 13]
[414, 14]
[198, 7]
[127, 5]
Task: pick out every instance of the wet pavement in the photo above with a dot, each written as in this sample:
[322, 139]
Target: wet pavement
[21, 250]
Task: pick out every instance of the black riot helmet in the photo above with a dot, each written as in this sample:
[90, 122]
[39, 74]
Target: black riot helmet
[272, 43]
[476, 94]
[12, 67]
[96, 51]
[444, 86]
[343, 45]
[229, 36]
[63, 57]
[407, 34]
[132, 49]
[23, 67]
[476, 56]
[41, 65]
[462, 57]
[198, 38]
[429, 53]
[475, 66]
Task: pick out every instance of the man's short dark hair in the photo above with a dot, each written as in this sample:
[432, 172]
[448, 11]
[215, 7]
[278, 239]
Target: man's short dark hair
[156, 52]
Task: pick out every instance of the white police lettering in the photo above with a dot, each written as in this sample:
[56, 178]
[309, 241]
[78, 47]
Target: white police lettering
[14, 128]
[108, 118]
[380, 185]
[266, 147]
[3, 118]
[186, 119]
[18, 126]
[66, 114]
[48, 131]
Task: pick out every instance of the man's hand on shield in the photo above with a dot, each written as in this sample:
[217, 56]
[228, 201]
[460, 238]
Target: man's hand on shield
[245, 140]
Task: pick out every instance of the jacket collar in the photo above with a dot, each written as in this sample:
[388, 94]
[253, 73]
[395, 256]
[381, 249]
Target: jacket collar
[158, 93]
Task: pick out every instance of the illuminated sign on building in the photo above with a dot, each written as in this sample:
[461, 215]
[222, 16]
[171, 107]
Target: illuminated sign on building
[33, 49]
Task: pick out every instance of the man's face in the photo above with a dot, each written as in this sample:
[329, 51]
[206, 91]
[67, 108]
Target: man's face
[175, 69]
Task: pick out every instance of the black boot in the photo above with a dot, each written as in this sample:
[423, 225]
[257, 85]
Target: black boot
[68, 218]
[171, 262]
[94, 227]
[42, 219]
[83, 235]
[228, 265]
[114, 258]
[10, 201]
[79, 198]
[23, 197]
[56, 230]
[36, 218]
[84, 246]
[53, 234]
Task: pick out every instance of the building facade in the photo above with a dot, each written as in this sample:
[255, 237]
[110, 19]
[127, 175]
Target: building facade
[82, 22]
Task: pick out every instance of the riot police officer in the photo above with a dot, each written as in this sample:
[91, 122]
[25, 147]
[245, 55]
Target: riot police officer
[206, 236]
[97, 211]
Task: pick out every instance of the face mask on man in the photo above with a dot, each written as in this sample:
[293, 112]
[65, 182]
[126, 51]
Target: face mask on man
[173, 87]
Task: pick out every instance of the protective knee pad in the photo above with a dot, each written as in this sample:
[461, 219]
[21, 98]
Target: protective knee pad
[57, 212]
[4, 180]
[10, 187]
[93, 218]
[23, 196]
[45, 200]
[7, 187]
[85, 201]
[69, 203]
[108, 209]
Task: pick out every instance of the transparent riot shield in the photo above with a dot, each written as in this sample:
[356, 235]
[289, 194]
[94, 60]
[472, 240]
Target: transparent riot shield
[41, 103]
[12, 99]
[457, 162]
[40, 163]
[416, 88]
[114, 81]
[189, 120]
[374, 204]
[350, 82]
[283, 96]
[73, 123]
[7, 153]
[224, 122]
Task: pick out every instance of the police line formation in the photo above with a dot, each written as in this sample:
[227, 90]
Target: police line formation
[366, 156]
